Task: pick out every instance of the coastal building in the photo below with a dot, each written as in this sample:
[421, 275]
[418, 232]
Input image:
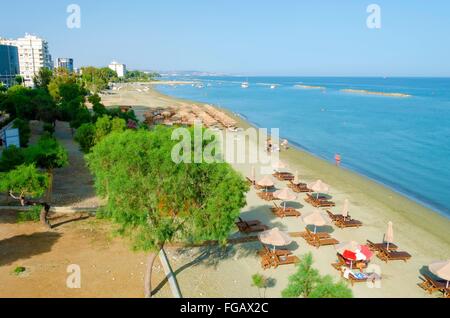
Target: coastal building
[120, 69]
[33, 55]
[9, 64]
[64, 62]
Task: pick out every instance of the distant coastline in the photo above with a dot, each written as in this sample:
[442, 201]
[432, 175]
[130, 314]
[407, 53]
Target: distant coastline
[366, 92]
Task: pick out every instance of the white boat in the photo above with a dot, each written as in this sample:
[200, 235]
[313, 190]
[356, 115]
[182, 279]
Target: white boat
[245, 85]
[273, 86]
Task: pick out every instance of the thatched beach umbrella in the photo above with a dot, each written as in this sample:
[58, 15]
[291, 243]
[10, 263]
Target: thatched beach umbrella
[442, 270]
[389, 236]
[253, 174]
[285, 195]
[319, 187]
[266, 182]
[296, 178]
[275, 237]
[317, 218]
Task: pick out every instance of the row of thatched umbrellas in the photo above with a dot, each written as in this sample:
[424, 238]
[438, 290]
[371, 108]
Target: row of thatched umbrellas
[351, 251]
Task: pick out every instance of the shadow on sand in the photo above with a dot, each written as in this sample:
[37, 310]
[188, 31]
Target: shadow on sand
[26, 246]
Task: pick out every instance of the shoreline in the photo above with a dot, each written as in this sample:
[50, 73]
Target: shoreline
[420, 231]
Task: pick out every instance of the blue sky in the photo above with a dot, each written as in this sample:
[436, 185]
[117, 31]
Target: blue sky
[260, 37]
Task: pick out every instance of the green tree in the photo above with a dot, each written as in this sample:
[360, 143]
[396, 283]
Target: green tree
[261, 282]
[308, 283]
[85, 137]
[303, 282]
[105, 125]
[19, 80]
[24, 181]
[11, 158]
[327, 288]
[43, 78]
[156, 201]
[48, 154]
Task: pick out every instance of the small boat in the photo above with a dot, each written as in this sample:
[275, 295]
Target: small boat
[273, 86]
[245, 85]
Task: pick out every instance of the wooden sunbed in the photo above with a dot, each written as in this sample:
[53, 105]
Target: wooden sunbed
[285, 212]
[250, 181]
[284, 176]
[319, 203]
[285, 260]
[318, 239]
[390, 255]
[376, 247]
[266, 196]
[344, 222]
[299, 188]
[430, 285]
[248, 227]
[276, 258]
[353, 279]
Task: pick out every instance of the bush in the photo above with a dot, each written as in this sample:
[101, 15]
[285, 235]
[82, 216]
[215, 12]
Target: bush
[11, 158]
[32, 215]
[24, 131]
[49, 128]
[85, 137]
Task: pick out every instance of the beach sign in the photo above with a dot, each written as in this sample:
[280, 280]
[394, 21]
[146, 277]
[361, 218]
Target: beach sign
[11, 137]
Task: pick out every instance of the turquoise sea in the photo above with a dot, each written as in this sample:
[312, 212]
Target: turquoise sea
[403, 143]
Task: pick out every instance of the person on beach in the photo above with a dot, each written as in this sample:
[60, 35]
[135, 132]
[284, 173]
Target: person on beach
[338, 160]
[285, 144]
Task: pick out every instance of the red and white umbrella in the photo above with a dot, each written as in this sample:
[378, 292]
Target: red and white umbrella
[354, 252]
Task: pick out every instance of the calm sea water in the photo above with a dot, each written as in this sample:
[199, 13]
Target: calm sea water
[403, 143]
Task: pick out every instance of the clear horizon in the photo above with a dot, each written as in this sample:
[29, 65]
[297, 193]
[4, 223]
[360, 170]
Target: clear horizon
[255, 38]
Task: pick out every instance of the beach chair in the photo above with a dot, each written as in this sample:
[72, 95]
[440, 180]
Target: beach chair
[248, 227]
[359, 277]
[308, 235]
[250, 181]
[344, 223]
[266, 196]
[376, 247]
[319, 242]
[431, 285]
[320, 202]
[299, 188]
[266, 251]
[284, 176]
[285, 260]
[390, 255]
[343, 263]
[285, 212]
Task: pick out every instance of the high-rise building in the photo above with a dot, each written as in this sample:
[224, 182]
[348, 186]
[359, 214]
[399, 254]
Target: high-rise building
[66, 63]
[9, 64]
[33, 55]
[120, 69]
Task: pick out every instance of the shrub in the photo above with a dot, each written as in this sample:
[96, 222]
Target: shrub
[49, 128]
[85, 137]
[32, 215]
[11, 158]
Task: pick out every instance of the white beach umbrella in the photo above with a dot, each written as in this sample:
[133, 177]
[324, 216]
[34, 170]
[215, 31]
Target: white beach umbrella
[317, 218]
[319, 187]
[285, 195]
[442, 270]
[389, 236]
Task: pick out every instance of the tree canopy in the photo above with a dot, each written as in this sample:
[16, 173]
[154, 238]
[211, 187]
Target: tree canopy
[24, 181]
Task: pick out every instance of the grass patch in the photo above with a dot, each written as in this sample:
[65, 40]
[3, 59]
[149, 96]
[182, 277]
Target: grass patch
[32, 215]
[19, 270]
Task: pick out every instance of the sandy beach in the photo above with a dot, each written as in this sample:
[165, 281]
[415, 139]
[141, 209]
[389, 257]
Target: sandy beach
[112, 270]
[418, 230]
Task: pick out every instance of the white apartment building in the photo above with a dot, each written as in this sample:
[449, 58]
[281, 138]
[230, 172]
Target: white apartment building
[33, 55]
[120, 69]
